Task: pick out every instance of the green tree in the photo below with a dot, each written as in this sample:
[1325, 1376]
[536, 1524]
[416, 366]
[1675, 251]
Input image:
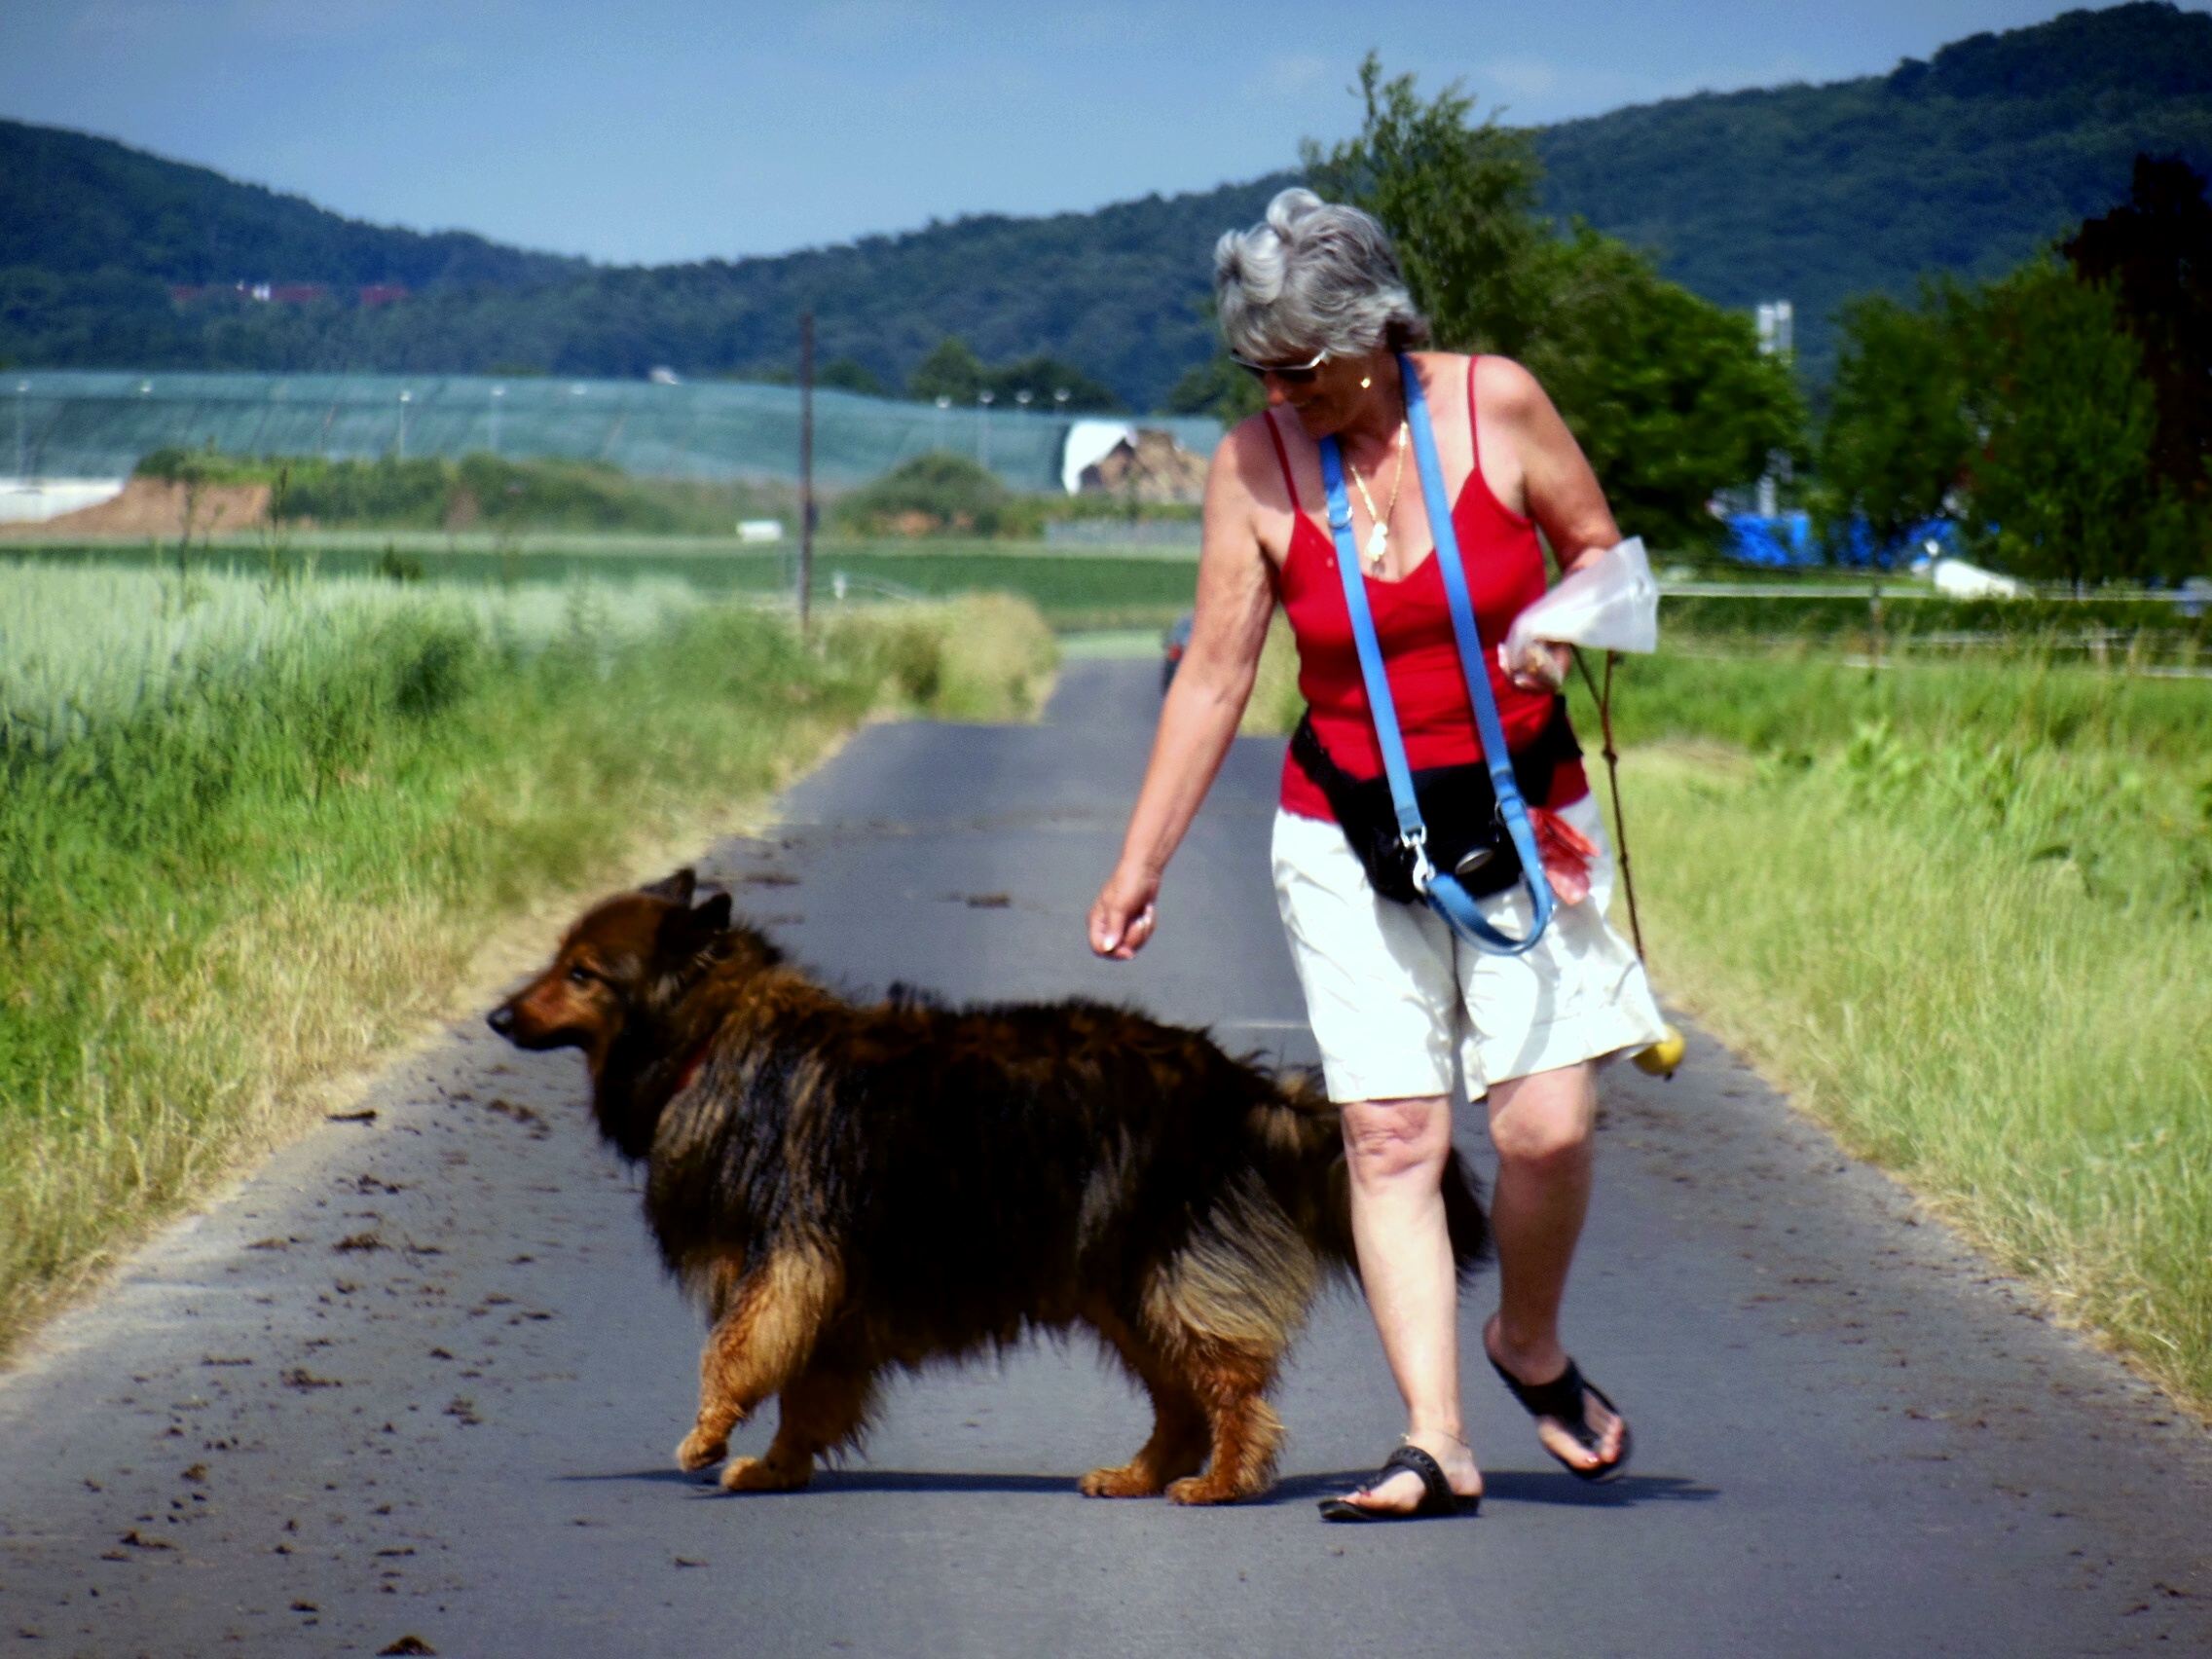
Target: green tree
[935, 491]
[1045, 378]
[385, 492]
[1667, 393]
[1896, 440]
[951, 370]
[2155, 250]
[1218, 387]
[2062, 487]
[1459, 200]
[850, 374]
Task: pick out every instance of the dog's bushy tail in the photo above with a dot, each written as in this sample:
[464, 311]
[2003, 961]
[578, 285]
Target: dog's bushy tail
[1299, 1143]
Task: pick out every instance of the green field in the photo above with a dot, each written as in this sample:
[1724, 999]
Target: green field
[1074, 589]
[248, 832]
[1079, 589]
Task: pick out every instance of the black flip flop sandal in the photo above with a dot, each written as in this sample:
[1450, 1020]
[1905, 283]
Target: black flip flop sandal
[1436, 1499]
[1563, 1400]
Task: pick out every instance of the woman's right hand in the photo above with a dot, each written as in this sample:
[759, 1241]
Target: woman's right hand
[1198, 719]
[1122, 914]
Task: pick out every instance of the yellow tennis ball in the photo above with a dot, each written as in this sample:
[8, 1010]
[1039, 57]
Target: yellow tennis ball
[1664, 1055]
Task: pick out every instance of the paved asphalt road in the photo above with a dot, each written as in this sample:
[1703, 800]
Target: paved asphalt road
[421, 1376]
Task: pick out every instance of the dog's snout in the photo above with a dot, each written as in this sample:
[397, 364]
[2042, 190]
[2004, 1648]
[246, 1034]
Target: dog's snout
[501, 1020]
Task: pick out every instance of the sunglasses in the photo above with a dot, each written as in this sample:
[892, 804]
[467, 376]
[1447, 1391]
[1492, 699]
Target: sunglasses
[1290, 374]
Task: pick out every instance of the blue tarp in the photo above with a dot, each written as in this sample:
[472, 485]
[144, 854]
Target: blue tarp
[1772, 543]
[1787, 540]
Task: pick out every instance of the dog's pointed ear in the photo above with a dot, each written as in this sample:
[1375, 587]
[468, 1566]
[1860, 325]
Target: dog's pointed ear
[686, 933]
[677, 889]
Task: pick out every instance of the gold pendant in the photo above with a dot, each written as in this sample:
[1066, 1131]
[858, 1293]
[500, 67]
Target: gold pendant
[1377, 545]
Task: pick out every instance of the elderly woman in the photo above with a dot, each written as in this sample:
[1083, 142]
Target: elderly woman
[1312, 303]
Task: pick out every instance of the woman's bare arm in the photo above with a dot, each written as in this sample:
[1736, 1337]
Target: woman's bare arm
[1559, 490]
[1199, 716]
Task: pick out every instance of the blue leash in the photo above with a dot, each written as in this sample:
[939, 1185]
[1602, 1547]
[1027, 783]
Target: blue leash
[1442, 889]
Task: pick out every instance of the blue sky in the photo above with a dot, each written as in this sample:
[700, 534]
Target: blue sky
[663, 129]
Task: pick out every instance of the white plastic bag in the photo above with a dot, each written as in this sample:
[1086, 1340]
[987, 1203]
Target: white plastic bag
[1612, 605]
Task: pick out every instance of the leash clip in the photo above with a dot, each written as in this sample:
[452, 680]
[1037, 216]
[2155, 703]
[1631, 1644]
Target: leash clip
[1416, 842]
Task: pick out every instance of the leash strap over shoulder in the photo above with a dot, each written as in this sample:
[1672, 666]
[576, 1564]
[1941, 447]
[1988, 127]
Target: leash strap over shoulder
[1442, 889]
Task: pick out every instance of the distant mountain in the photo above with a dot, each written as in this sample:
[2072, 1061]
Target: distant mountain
[110, 257]
[1968, 162]
[1119, 293]
[75, 206]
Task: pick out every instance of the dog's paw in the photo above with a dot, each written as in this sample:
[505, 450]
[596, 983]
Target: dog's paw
[1128, 1481]
[700, 1449]
[1206, 1489]
[765, 1474]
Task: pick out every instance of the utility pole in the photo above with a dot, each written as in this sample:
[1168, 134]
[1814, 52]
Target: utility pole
[805, 468]
[1778, 338]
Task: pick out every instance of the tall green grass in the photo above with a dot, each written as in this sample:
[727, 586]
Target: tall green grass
[2101, 779]
[1906, 944]
[247, 833]
[1072, 589]
[1963, 912]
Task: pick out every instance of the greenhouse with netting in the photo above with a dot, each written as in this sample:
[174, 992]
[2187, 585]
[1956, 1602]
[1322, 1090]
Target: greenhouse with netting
[83, 424]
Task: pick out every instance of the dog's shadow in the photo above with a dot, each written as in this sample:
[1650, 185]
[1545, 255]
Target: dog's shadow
[933, 1480]
[1502, 1486]
[852, 1480]
[663, 1476]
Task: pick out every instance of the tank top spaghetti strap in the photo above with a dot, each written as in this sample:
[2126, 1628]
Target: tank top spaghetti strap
[1505, 565]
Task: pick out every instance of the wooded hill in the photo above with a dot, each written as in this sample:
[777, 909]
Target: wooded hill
[1968, 162]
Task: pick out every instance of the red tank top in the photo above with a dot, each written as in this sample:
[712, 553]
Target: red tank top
[1505, 573]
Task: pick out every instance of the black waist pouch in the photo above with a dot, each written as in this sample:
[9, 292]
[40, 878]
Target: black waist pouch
[1457, 805]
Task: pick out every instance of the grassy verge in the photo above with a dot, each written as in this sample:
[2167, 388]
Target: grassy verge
[1963, 912]
[2027, 1047]
[1074, 589]
[246, 835]
[2130, 627]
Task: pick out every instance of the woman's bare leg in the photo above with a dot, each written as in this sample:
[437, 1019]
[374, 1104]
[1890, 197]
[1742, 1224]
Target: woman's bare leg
[1396, 1151]
[1541, 1126]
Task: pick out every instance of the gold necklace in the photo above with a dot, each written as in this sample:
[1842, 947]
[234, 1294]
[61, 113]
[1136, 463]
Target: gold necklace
[1378, 538]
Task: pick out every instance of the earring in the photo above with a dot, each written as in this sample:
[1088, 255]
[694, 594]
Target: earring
[1366, 380]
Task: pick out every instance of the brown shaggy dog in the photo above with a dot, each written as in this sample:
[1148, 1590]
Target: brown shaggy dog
[857, 1187]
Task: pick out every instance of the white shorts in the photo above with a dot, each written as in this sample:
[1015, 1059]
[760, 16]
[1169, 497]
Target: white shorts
[1395, 999]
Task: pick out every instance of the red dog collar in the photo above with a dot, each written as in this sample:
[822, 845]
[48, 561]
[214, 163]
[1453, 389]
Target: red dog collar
[691, 1064]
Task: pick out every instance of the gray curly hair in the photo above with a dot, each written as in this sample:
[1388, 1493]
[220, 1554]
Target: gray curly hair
[1317, 276]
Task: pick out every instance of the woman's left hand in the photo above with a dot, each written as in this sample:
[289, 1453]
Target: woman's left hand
[1543, 666]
